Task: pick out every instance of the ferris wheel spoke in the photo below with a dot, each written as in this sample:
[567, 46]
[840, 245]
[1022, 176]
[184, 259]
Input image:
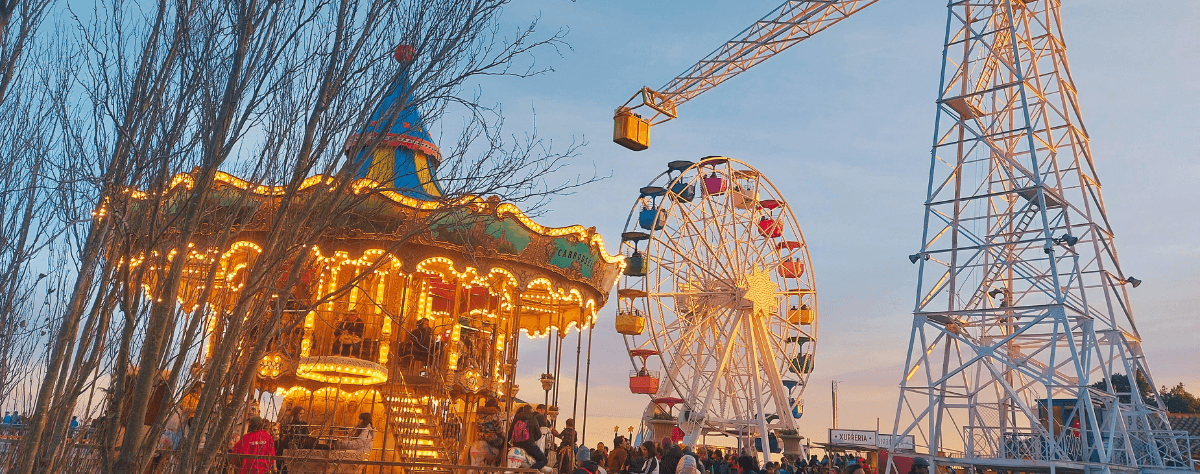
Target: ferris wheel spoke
[685, 335]
[697, 265]
[718, 225]
[697, 235]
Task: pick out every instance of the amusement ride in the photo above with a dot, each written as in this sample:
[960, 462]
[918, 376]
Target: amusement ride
[718, 287]
[410, 311]
[1022, 313]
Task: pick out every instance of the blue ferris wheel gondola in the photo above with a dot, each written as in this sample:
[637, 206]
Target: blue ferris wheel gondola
[683, 191]
[636, 265]
[650, 219]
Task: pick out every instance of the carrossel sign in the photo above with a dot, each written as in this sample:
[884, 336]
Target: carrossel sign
[870, 439]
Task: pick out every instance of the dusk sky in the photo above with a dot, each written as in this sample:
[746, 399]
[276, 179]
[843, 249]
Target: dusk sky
[842, 124]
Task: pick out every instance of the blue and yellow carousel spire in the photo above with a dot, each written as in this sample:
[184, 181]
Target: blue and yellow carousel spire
[403, 153]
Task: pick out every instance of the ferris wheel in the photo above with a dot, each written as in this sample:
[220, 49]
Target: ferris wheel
[719, 291]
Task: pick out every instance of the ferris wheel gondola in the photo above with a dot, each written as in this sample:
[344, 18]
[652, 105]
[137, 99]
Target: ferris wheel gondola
[718, 287]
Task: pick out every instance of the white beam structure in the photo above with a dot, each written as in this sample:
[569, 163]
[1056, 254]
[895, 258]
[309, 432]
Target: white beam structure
[785, 26]
[1022, 303]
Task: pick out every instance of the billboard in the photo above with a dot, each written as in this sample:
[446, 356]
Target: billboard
[906, 443]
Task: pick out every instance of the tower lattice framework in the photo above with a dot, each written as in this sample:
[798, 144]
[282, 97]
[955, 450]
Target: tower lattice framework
[1022, 303]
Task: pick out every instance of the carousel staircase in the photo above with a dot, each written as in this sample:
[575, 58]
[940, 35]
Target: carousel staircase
[417, 430]
[417, 433]
[417, 406]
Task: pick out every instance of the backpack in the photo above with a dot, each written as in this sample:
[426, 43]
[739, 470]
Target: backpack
[520, 432]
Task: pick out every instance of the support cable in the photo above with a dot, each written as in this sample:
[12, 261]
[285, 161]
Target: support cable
[587, 383]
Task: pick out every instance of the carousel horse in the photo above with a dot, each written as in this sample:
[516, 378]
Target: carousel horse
[519, 459]
[482, 454]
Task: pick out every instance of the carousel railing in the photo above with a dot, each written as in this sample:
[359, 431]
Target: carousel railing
[84, 458]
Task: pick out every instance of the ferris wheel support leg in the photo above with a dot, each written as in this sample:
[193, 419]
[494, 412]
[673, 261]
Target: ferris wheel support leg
[716, 381]
[774, 378]
[762, 417]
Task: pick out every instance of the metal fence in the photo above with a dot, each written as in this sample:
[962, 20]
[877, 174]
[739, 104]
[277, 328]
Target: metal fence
[84, 458]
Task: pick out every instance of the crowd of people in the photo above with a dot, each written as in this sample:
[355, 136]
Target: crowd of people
[668, 457]
[530, 424]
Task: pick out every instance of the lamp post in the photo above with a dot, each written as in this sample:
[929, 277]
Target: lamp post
[834, 385]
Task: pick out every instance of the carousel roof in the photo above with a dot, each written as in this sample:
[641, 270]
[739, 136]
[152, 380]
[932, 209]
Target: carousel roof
[564, 274]
[399, 140]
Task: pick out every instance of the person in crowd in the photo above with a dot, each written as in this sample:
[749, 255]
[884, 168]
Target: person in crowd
[257, 442]
[567, 435]
[166, 442]
[618, 457]
[543, 426]
[294, 431]
[601, 454]
[687, 452]
[524, 433]
[654, 457]
[747, 465]
[636, 464]
[420, 344]
[363, 436]
[348, 336]
[584, 463]
[566, 446]
[919, 466]
[720, 463]
[853, 469]
[286, 434]
[670, 460]
[714, 460]
[688, 465]
[181, 433]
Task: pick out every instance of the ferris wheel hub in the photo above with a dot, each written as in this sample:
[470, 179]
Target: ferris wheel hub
[759, 291]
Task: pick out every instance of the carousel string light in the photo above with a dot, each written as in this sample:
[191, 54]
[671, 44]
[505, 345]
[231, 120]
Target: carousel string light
[343, 370]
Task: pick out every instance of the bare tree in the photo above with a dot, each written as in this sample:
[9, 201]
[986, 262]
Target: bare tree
[272, 92]
[27, 181]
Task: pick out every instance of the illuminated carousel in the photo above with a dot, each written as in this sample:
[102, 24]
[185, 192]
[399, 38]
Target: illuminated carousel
[426, 342]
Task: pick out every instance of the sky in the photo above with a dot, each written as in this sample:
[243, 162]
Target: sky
[842, 124]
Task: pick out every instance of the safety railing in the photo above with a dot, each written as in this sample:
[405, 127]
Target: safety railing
[85, 459]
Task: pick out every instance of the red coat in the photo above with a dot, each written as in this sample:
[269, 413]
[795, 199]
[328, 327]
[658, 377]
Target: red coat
[258, 443]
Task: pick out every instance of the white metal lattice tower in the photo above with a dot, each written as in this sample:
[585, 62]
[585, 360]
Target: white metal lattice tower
[1022, 303]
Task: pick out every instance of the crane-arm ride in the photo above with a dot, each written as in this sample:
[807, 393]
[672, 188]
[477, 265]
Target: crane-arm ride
[790, 23]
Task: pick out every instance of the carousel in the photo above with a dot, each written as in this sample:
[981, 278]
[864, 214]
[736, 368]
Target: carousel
[419, 331]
